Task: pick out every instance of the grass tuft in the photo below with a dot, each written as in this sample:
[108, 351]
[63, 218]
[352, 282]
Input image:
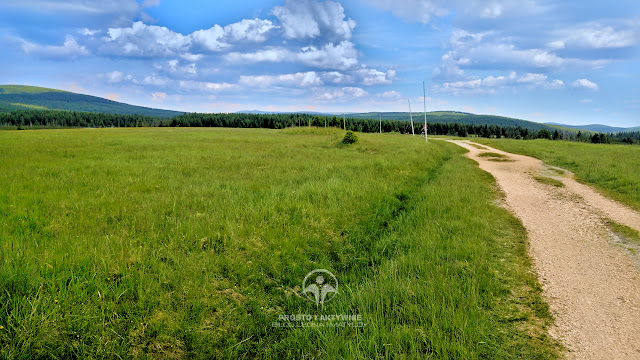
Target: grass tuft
[548, 181]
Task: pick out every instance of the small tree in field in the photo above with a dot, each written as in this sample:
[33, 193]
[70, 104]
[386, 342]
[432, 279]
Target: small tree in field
[349, 138]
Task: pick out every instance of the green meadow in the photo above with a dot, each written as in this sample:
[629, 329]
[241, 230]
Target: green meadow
[613, 169]
[192, 243]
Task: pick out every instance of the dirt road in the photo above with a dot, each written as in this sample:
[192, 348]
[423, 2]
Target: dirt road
[590, 279]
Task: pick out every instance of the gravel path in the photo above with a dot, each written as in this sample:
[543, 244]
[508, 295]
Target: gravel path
[592, 284]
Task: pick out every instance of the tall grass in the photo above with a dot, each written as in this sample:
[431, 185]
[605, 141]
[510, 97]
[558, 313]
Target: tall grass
[189, 243]
[611, 168]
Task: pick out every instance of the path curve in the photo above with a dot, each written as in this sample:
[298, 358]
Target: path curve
[592, 284]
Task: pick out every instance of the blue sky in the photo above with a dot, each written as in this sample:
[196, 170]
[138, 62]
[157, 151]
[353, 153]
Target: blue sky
[574, 62]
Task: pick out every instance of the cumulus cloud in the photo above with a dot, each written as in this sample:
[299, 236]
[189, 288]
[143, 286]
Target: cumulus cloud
[205, 86]
[342, 56]
[249, 30]
[211, 39]
[301, 79]
[393, 95]
[491, 84]
[345, 93]
[144, 40]
[375, 77]
[218, 38]
[596, 35]
[491, 50]
[270, 54]
[310, 19]
[175, 69]
[585, 84]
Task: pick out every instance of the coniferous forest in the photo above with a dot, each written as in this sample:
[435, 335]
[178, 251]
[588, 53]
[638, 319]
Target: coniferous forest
[33, 119]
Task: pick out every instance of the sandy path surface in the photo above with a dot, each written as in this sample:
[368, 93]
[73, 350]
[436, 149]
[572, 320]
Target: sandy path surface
[591, 282]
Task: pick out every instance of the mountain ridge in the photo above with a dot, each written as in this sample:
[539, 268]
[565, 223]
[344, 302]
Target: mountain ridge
[23, 97]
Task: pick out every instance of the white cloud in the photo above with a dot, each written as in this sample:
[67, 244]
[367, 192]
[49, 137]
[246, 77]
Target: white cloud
[301, 79]
[490, 50]
[211, 39]
[274, 54]
[250, 30]
[599, 36]
[555, 84]
[144, 40]
[141, 40]
[491, 84]
[394, 95]
[340, 57]
[87, 32]
[345, 93]
[191, 57]
[584, 84]
[205, 86]
[175, 69]
[152, 79]
[375, 77]
[335, 57]
[304, 19]
[336, 77]
[115, 77]
[70, 49]
[532, 78]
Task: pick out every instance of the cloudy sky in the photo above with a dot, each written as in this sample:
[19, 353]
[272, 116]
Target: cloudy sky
[575, 62]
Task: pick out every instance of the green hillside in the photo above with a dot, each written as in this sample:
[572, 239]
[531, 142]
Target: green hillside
[460, 118]
[18, 97]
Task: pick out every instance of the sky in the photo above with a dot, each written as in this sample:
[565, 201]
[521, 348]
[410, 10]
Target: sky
[570, 61]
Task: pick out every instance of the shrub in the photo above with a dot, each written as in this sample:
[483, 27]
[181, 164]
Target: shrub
[349, 138]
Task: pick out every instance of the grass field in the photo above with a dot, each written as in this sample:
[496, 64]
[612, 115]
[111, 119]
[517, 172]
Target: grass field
[190, 243]
[611, 168]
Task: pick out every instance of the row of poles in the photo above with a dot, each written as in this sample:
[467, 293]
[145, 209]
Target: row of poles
[424, 101]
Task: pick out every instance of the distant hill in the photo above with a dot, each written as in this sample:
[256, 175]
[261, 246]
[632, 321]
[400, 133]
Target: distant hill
[596, 128]
[461, 118]
[19, 97]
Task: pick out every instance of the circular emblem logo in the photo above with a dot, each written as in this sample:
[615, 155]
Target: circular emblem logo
[320, 286]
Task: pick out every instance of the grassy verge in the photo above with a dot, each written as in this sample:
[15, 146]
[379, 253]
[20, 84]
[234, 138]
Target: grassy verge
[191, 243]
[611, 168]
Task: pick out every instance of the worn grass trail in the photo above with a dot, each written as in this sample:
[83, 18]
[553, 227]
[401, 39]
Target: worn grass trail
[189, 243]
[592, 284]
